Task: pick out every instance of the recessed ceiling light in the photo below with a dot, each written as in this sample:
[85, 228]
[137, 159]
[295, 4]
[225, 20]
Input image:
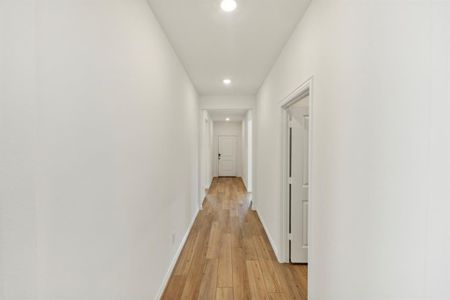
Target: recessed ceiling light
[228, 5]
[227, 81]
[227, 119]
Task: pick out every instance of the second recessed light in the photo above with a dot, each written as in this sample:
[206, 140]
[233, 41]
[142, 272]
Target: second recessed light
[227, 81]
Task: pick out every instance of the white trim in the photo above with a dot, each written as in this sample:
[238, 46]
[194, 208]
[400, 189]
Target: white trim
[275, 250]
[298, 93]
[204, 193]
[175, 259]
[245, 184]
[305, 89]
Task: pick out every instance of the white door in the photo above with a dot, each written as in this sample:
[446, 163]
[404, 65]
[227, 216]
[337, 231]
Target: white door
[299, 183]
[227, 156]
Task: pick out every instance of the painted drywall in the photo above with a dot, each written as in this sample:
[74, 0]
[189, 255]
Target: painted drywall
[212, 154]
[17, 134]
[228, 102]
[380, 215]
[227, 129]
[99, 150]
[250, 151]
[206, 152]
[214, 44]
[247, 151]
[244, 153]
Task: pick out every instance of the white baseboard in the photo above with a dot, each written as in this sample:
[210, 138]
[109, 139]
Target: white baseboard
[175, 259]
[245, 183]
[204, 193]
[275, 249]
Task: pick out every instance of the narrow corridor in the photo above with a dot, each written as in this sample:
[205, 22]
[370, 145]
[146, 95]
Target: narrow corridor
[228, 255]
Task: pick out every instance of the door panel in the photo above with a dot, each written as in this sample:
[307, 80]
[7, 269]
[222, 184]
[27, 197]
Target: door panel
[299, 157]
[227, 156]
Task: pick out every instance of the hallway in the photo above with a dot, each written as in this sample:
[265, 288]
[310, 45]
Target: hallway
[228, 256]
[320, 128]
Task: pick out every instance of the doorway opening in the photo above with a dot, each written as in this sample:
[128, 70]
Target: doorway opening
[227, 146]
[297, 135]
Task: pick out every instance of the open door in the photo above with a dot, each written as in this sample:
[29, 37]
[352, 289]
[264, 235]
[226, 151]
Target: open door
[298, 114]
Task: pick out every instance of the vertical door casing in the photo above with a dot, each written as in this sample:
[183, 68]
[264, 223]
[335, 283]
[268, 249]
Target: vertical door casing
[299, 183]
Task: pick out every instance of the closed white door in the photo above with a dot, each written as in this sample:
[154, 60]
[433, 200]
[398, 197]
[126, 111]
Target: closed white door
[299, 183]
[227, 156]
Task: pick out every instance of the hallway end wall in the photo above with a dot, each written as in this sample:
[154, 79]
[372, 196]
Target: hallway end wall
[227, 129]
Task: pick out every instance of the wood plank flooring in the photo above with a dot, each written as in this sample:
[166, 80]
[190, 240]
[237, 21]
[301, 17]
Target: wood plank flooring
[228, 256]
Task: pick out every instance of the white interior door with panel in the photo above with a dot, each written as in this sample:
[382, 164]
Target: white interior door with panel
[227, 156]
[299, 179]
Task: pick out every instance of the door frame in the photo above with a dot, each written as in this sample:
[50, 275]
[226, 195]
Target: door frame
[207, 106]
[305, 89]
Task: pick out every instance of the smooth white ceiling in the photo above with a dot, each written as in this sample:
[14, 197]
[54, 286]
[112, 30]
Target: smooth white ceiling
[241, 45]
[222, 114]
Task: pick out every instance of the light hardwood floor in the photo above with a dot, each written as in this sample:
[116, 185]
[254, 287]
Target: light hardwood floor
[228, 256]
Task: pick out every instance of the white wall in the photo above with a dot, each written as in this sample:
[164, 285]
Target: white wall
[247, 151]
[17, 134]
[250, 150]
[228, 102]
[227, 129]
[206, 153]
[380, 213]
[95, 112]
[211, 148]
[244, 153]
